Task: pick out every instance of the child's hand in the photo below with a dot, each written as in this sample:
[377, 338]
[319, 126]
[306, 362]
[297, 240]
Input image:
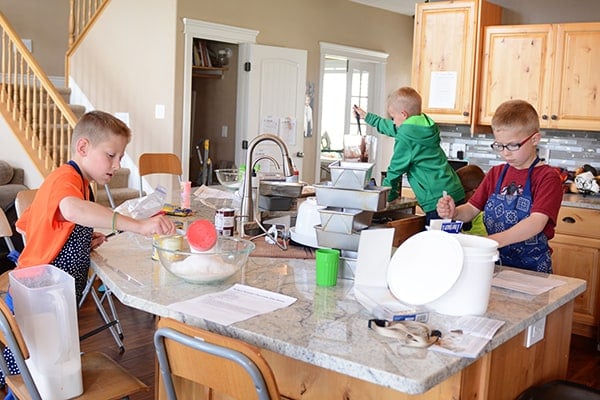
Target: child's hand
[361, 113]
[157, 225]
[446, 207]
[97, 239]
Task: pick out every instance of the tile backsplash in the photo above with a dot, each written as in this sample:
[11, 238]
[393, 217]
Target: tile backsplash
[566, 149]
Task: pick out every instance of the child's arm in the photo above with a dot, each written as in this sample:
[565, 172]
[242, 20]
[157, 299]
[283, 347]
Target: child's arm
[523, 230]
[91, 214]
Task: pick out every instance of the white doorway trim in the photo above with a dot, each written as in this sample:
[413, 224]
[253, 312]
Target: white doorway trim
[378, 102]
[209, 31]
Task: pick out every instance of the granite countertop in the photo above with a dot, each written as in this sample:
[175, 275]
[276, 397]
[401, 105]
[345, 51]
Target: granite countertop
[581, 201]
[326, 327]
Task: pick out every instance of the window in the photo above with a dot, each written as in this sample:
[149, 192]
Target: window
[348, 76]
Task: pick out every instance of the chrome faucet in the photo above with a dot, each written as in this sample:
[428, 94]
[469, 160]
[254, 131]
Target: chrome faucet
[247, 209]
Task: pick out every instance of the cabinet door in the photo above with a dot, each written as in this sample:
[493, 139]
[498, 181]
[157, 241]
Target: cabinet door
[576, 97]
[580, 258]
[516, 64]
[444, 54]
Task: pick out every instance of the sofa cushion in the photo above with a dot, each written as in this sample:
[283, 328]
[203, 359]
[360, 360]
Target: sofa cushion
[6, 172]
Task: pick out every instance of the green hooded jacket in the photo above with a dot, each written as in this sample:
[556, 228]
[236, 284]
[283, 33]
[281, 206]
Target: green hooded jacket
[418, 154]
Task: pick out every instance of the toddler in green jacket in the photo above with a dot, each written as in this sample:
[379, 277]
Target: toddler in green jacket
[417, 152]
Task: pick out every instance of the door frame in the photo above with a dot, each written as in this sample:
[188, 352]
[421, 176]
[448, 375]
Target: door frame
[379, 59]
[196, 29]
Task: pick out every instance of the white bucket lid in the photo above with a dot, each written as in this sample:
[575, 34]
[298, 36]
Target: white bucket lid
[425, 267]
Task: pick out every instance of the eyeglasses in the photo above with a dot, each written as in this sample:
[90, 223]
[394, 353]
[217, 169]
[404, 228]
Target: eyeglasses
[511, 146]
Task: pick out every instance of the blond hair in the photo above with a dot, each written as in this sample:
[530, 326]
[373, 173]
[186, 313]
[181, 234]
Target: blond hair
[518, 115]
[406, 99]
[97, 127]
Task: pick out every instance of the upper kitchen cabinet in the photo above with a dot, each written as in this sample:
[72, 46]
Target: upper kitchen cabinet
[551, 66]
[445, 55]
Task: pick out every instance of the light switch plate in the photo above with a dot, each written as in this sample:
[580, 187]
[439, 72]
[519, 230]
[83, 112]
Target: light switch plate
[535, 332]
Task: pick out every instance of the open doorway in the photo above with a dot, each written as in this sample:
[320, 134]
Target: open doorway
[213, 115]
[348, 76]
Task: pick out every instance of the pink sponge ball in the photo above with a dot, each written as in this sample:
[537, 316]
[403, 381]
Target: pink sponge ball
[202, 235]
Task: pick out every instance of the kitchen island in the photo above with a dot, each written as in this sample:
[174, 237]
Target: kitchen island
[321, 348]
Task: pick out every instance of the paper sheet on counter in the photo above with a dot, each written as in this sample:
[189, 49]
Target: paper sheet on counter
[525, 283]
[235, 304]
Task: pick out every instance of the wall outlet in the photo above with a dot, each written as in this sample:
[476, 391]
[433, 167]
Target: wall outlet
[535, 332]
[224, 130]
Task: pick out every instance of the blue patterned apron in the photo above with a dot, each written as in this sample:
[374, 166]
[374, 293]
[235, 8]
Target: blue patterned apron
[503, 211]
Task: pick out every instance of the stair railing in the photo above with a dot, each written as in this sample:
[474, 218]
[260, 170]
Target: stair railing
[40, 118]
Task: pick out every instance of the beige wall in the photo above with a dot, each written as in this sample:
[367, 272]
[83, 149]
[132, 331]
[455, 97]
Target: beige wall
[126, 64]
[46, 23]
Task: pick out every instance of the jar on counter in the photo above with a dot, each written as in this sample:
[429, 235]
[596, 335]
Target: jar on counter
[225, 221]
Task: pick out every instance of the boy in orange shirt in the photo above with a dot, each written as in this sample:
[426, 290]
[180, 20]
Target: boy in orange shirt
[59, 224]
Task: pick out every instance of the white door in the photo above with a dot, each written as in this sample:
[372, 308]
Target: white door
[271, 99]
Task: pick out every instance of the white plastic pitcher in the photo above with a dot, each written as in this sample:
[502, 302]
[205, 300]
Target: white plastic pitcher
[46, 311]
[470, 293]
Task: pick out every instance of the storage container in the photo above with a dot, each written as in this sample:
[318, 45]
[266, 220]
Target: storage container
[372, 199]
[337, 240]
[350, 175]
[344, 220]
[46, 311]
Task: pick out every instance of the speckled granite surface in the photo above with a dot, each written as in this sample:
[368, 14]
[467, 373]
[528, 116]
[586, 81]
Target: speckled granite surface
[325, 327]
[581, 201]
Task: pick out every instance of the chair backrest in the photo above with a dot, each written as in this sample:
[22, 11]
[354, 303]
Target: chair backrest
[159, 163]
[226, 365]
[11, 337]
[22, 201]
[6, 231]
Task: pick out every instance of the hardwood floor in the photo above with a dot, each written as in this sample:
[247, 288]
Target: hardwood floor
[138, 358]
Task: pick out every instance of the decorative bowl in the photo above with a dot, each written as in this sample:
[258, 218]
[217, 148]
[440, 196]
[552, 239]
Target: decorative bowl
[215, 265]
[229, 178]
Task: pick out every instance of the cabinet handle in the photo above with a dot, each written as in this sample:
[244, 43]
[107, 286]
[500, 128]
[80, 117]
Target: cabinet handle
[465, 113]
[568, 220]
[553, 117]
[544, 117]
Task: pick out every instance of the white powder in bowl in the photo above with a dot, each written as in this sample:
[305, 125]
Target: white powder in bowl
[203, 268]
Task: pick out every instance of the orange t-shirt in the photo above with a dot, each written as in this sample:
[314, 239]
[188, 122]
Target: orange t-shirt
[46, 231]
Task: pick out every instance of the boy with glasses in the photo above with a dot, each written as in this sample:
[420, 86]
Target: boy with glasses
[521, 198]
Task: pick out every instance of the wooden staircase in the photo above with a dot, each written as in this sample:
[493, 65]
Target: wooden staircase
[119, 190]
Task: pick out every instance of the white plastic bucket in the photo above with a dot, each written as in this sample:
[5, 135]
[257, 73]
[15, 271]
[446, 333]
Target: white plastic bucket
[470, 293]
[46, 311]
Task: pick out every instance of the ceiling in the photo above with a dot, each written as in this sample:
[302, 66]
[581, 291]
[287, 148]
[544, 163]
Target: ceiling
[406, 7]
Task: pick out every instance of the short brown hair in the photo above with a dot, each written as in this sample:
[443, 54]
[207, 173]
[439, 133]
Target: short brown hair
[516, 114]
[97, 126]
[470, 176]
[406, 99]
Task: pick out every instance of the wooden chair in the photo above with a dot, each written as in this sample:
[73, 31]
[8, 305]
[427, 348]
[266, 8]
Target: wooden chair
[159, 163]
[221, 364]
[22, 202]
[6, 233]
[103, 378]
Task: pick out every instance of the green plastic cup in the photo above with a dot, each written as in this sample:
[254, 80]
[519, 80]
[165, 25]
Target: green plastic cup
[327, 266]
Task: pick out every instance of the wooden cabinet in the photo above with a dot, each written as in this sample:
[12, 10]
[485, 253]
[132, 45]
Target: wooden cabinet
[551, 66]
[447, 37]
[576, 253]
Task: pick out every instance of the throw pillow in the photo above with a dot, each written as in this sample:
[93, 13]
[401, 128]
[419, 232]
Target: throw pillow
[6, 172]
